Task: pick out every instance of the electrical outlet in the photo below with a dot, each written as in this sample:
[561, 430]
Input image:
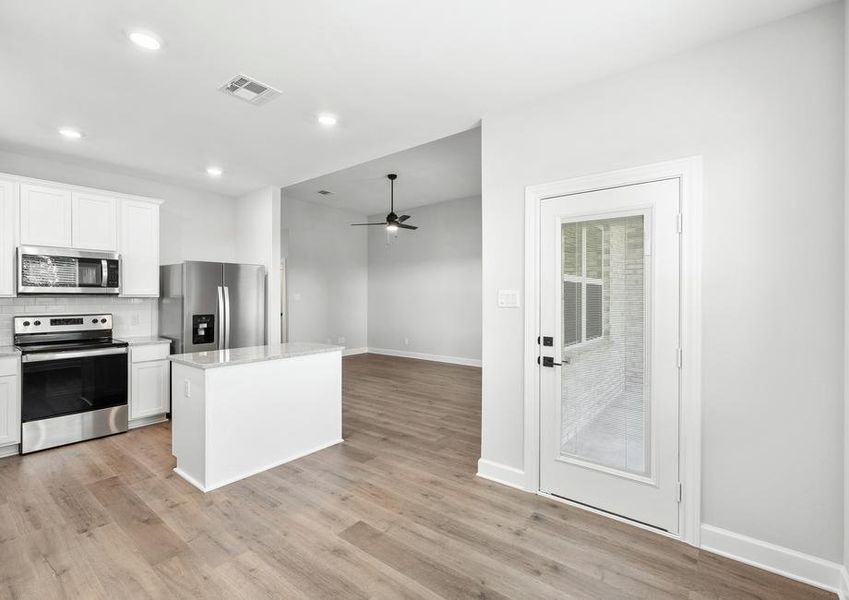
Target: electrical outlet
[406, 341]
[340, 340]
[187, 388]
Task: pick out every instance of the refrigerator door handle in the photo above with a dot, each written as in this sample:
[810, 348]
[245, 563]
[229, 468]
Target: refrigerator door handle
[222, 318]
[226, 317]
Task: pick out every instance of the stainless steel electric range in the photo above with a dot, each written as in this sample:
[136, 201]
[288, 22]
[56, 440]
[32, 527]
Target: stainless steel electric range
[74, 384]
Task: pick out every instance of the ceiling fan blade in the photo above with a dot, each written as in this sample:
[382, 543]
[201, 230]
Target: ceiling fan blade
[403, 218]
[402, 226]
[355, 224]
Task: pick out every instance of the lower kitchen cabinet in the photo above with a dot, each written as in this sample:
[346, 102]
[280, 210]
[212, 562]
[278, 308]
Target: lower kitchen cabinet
[10, 404]
[149, 384]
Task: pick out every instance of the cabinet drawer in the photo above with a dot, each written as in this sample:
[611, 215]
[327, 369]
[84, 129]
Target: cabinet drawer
[149, 352]
[9, 366]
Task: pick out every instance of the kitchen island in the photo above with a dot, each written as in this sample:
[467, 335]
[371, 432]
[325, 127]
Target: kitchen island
[238, 412]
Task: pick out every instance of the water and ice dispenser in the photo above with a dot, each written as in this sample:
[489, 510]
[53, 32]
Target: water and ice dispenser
[203, 329]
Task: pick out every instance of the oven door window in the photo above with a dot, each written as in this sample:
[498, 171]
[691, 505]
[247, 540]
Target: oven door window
[61, 387]
[90, 272]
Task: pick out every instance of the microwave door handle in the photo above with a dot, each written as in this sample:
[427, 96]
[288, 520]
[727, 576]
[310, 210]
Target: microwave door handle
[221, 318]
[104, 273]
[226, 317]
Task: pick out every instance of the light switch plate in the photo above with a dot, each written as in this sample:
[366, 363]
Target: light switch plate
[508, 299]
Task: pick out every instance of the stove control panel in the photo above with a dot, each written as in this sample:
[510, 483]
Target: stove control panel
[62, 323]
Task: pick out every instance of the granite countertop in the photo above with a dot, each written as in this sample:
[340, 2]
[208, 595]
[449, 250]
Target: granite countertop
[6, 351]
[242, 356]
[144, 340]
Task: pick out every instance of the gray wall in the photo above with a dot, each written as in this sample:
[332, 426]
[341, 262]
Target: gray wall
[846, 307]
[765, 110]
[425, 286]
[327, 281]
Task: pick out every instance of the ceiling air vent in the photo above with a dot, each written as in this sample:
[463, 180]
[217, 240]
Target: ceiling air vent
[249, 90]
[325, 192]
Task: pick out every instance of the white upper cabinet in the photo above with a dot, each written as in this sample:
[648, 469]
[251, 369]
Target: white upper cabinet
[45, 216]
[94, 222]
[139, 248]
[44, 213]
[8, 195]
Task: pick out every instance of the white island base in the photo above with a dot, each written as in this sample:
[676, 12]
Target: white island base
[238, 412]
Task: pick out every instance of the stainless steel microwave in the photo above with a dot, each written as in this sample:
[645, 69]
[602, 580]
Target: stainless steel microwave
[44, 270]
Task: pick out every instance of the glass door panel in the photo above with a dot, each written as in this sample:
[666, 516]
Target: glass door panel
[604, 404]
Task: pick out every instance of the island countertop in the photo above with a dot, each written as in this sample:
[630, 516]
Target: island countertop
[241, 356]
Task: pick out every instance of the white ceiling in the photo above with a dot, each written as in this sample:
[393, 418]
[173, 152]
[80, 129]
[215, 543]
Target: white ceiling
[397, 73]
[446, 169]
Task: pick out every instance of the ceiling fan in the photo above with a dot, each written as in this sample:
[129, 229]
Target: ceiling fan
[393, 222]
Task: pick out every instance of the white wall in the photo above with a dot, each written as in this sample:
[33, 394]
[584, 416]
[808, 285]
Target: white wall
[425, 286]
[765, 109]
[327, 282]
[195, 225]
[846, 305]
[258, 243]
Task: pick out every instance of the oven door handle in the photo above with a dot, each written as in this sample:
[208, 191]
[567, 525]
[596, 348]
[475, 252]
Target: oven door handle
[28, 358]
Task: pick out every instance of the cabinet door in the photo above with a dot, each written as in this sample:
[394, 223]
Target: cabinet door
[149, 394]
[139, 247]
[94, 222]
[45, 216]
[8, 191]
[10, 416]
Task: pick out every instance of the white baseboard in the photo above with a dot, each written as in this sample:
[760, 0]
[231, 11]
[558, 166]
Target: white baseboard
[843, 592]
[352, 351]
[454, 360]
[789, 563]
[145, 421]
[501, 474]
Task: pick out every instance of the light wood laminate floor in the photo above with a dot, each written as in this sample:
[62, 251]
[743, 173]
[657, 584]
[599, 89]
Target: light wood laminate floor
[395, 512]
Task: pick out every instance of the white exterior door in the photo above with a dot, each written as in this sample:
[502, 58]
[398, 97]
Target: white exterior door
[609, 317]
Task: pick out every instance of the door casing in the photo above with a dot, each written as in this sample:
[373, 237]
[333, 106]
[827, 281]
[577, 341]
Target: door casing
[689, 173]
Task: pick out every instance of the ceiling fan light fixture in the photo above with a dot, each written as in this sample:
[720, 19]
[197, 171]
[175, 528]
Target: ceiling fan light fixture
[393, 222]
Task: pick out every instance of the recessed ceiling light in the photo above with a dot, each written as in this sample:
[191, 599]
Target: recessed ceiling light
[327, 119]
[145, 40]
[214, 171]
[70, 133]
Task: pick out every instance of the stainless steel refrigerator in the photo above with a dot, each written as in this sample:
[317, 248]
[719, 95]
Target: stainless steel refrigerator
[212, 306]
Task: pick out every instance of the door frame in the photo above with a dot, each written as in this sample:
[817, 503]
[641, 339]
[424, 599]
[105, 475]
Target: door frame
[689, 171]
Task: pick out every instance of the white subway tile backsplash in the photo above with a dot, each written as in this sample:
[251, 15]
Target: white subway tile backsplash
[131, 316]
